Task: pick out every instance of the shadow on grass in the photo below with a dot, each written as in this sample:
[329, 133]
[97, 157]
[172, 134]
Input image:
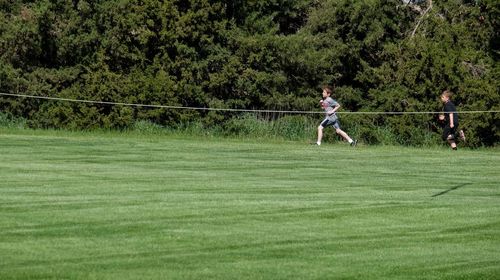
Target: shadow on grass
[451, 189]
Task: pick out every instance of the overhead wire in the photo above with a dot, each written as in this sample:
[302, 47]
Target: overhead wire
[173, 107]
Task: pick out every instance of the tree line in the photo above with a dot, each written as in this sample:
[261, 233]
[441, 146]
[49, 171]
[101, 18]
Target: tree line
[265, 54]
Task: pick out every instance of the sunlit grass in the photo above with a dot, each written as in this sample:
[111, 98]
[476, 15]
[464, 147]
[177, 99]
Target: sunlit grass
[131, 206]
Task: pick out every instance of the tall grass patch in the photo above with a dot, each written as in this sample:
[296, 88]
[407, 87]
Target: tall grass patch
[7, 120]
[256, 126]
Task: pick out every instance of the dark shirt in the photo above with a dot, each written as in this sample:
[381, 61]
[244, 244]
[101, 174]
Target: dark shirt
[448, 108]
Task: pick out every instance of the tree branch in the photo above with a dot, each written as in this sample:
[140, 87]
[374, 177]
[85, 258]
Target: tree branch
[421, 18]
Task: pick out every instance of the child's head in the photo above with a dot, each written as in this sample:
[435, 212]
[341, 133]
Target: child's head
[327, 91]
[446, 95]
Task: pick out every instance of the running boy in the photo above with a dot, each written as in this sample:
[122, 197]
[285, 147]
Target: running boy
[450, 119]
[331, 106]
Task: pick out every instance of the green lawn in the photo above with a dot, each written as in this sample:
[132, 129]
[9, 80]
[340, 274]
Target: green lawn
[125, 206]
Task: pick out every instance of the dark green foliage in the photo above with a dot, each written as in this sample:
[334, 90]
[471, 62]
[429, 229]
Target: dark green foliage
[252, 55]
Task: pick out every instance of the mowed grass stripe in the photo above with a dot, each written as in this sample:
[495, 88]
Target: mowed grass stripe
[120, 206]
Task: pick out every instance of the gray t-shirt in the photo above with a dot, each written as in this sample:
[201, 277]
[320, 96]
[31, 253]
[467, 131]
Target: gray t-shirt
[330, 104]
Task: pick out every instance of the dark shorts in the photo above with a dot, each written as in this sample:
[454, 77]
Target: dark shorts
[327, 122]
[447, 131]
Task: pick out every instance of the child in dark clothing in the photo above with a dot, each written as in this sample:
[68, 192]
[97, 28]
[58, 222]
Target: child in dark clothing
[450, 118]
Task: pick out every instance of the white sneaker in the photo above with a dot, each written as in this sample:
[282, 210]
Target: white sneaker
[354, 143]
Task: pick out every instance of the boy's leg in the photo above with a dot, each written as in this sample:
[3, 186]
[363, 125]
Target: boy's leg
[461, 135]
[343, 134]
[446, 133]
[452, 142]
[449, 134]
[320, 134]
[321, 126]
[346, 137]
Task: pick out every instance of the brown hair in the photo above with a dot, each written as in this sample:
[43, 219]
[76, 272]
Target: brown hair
[447, 93]
[328, 89]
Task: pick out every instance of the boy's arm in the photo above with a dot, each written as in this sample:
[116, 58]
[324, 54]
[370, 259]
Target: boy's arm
[323, 104]
[337, 106]
[451, 120]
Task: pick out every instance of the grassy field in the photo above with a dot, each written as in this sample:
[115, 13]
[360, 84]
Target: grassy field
[130, 206]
